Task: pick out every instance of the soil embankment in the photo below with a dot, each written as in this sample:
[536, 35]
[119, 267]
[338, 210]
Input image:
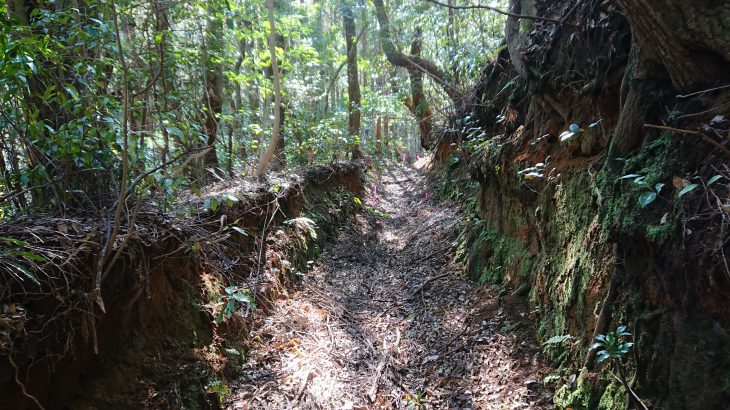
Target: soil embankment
[177, 301]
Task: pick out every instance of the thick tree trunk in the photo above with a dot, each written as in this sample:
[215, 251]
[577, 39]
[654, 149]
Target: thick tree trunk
[691, 39]
[678, 42]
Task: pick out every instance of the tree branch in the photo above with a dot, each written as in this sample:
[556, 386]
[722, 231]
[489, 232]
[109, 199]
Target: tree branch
[401, 59]
[500, 11]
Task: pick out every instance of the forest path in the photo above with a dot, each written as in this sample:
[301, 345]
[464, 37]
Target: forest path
[385, 320]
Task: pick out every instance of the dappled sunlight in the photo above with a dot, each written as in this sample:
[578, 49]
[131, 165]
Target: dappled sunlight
[386, 321]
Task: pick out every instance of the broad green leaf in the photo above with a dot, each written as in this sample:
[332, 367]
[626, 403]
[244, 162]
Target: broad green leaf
[566, 136]
[174, 131]
[687, 189]
[647, 198]
[71, 90]
[713, 179]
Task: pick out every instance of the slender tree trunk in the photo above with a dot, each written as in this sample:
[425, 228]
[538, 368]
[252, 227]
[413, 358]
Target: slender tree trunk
[213, 96]
[353, 82]
[378, 137]
[266, 159]
[386, 128]
[418, 104]
[412, 61]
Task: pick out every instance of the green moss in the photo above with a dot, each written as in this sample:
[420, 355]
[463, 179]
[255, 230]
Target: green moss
[579, 397]
[488, 254]
[613, 398]
[621, 213]
[660, 233]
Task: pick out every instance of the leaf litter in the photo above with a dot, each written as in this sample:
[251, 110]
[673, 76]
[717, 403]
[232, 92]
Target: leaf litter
[385, 319]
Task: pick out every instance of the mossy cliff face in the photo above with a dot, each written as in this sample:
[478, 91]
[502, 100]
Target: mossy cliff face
[553, 217]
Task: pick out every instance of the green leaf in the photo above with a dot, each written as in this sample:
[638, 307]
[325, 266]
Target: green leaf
[556, 340]
[658, 187]
[686, 189]
[174, 131]
[243, 298]
[72, 91]
[566, 136]
[13, 241]
[602, 356]
[28, 274]
[211, 203]
[713, 179]
[629, 176]
[239, 230]
[647, 198]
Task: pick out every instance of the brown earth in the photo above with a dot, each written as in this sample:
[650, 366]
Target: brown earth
[157, 343]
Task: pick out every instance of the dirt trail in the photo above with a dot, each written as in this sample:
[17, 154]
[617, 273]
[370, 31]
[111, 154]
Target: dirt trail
[384, 320]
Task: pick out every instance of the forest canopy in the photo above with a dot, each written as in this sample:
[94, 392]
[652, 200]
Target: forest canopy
[136, 97]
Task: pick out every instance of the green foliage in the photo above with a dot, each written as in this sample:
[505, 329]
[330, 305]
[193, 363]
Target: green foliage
[63, 87]
[612, 346]
[650, 192]
[233, 298]
[556, 340]
[15, 258]
[304, 224]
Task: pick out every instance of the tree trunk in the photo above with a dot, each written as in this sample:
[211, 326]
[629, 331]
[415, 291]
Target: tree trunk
[378, 137]
[678, 42]
[266, 159]
[412, 62]
[418, 103]
[213, 96]
[353, 83]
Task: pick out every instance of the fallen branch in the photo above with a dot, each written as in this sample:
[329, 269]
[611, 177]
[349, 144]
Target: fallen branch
[426, 283]
[302, 387]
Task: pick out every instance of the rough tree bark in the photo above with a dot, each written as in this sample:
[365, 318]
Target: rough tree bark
[681, 42]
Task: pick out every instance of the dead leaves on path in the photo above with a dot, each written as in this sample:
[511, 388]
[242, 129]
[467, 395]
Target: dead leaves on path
[386, 321]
